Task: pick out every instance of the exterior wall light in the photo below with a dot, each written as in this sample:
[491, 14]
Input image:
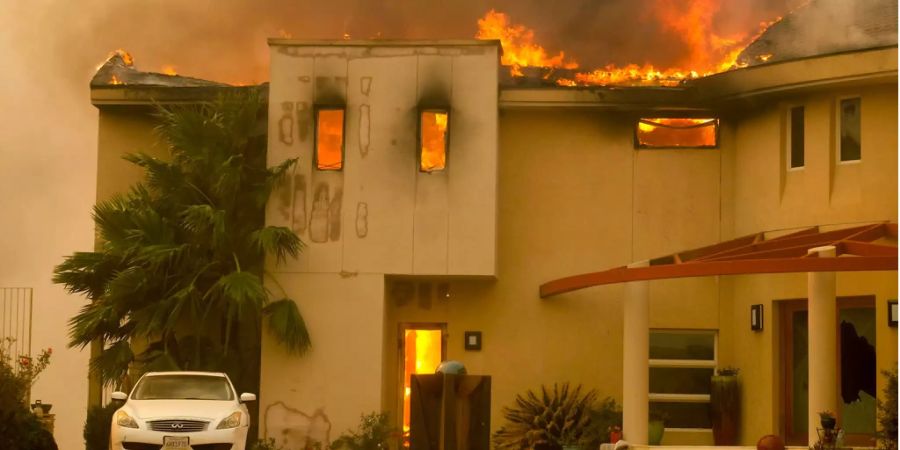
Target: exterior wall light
[756, 317]
[892, 313]
[473, 340]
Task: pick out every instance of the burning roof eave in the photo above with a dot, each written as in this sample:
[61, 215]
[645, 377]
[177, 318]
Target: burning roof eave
[725, 90]
[117, 82]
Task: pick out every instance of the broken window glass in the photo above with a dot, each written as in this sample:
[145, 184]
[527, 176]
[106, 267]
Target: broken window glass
[433, 140]
[330, 138]
[677, 133]
[851, 148]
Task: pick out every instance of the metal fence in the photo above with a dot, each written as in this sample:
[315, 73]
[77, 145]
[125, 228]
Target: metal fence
[15, 320]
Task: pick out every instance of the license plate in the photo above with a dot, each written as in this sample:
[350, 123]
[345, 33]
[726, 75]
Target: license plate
[176, 442]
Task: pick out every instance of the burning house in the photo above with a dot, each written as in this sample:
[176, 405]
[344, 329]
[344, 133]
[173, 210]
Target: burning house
[613, 228]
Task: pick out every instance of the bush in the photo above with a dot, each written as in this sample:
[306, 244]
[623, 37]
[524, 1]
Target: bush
[19, 428]
[373, 433]
[887, 413]
[553, 418]
[97, 426]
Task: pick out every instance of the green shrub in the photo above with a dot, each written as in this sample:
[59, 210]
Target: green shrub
[19, 428]
[97, 426]
[887, 413]
[373, 433]
[556, 417]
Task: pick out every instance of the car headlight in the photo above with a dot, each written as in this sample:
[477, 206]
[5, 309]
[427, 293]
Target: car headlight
[124, 420]
[232, 421]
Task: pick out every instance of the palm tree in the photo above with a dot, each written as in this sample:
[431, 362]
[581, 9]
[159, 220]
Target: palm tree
[176, 281]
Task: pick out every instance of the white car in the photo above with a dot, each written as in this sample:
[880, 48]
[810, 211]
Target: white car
[181, 410]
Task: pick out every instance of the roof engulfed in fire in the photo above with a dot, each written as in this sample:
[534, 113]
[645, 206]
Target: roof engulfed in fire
[823, 27]
[119, 70]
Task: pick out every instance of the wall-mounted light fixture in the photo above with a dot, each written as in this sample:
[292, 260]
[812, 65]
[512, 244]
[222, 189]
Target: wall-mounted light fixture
[756, 317]
[473, 340]
[892, 313]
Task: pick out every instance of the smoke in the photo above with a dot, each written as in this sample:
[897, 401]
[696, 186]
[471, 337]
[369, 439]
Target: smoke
[48, 129]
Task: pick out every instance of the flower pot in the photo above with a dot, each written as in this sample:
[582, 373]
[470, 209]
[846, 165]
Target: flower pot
[655, 431]
[725, 408]
[828, 423]
[45, 407]
[572, 447]
[615, 436]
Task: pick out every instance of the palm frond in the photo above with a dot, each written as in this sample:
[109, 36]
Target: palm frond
[113, 362]
[287, 325]
[278, 240]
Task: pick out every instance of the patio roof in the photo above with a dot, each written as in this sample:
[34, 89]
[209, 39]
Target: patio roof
[857, 250]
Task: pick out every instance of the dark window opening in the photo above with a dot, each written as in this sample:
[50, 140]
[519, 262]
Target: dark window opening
[851, 145]
[797, 137]
[677, 133]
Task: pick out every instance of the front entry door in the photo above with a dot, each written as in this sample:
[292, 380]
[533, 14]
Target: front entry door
[856, 370]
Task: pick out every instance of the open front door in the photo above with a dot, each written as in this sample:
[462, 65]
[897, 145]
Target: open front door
[856, 370]
[423, 349]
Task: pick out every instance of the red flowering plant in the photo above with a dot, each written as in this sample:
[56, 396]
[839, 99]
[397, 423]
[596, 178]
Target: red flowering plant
[23, 370]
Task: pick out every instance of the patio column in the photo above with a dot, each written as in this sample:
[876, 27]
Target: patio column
[636, 360]
[822, 325]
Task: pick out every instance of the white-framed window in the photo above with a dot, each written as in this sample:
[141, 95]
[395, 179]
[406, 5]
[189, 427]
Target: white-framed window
[795, 139]
[681, 365]
[849, 129]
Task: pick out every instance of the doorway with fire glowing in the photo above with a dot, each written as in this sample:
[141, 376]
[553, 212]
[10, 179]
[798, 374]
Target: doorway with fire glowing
[423, 346]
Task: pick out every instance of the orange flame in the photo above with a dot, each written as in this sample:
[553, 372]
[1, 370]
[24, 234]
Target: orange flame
[126, 57]
[115, 81]
[519, 49]
[691, 21]
[169, 70]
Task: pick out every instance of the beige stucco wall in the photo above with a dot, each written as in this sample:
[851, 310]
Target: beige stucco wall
[762, 194]
[574, 197]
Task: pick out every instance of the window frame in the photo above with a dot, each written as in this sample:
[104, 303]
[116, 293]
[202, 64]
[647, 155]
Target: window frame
[717, 122]
[838, 122]
[329, 107]
[686, 364]
[422, 111]
[789, 137]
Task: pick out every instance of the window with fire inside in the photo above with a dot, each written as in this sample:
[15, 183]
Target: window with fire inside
[676, 132]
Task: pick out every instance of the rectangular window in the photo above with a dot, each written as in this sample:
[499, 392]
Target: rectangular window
[796, 137]
[329, 138]
[433, 125]
[423, 350]
[851, 142]
[681, 364]
[668, 132]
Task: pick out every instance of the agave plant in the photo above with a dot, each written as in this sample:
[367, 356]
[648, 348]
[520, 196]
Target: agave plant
[176, 280]
[550, 419]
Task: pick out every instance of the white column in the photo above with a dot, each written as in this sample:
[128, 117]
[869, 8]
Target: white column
[822, 327]
[636, 361]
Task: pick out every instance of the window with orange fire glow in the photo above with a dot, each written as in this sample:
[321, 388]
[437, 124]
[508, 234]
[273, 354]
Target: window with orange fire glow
[670, 132]
[330, 138]
[433, 140]
[422, 355]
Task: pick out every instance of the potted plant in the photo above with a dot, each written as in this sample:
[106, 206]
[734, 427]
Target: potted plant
[725, 406]
[615, 434]
[827, 419]
[656, 427]
[571, 439]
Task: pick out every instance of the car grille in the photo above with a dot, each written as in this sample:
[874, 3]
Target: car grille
[178, 426]
[140, 446]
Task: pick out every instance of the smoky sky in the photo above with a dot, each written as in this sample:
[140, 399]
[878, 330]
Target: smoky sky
[226, 39]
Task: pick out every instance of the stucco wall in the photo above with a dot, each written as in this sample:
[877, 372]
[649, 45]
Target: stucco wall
[383, 214]
[575, 196]
[762, 194]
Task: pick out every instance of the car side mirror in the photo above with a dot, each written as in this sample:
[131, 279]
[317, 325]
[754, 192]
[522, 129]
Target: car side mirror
[247, 397]
[120, 396]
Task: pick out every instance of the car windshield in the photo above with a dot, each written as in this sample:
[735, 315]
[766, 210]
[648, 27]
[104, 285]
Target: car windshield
[187, 387]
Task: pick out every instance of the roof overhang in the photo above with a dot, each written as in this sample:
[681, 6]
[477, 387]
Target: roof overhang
[861, 248]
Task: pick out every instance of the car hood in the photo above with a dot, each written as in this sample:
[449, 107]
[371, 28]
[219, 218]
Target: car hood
[186, 409]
